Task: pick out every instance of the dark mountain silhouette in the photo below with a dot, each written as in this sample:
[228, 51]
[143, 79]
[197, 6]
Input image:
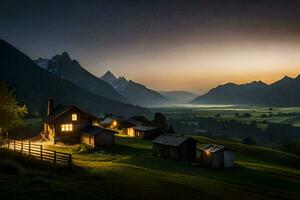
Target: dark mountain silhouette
[35, 85]
[135, 93]
[178, 97]
[65, 68]
[284, 92]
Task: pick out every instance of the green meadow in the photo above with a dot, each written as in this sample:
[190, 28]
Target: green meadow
[285, 115]
[129, 171]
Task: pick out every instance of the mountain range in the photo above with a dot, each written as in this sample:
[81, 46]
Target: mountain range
[178, 97]
[35, 85]
[65, 68]
[135, 93]
[284, 92]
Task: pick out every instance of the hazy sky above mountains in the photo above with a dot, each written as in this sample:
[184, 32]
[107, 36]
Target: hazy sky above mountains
[166, 45]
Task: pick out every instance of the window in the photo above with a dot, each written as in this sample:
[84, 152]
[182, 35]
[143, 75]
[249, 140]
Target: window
[74, 117]
[67, 127]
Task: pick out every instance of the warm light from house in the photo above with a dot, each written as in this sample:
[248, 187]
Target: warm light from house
[67, 127]
[74, 117]
[114, 124]
[207, 152]
[131, 132]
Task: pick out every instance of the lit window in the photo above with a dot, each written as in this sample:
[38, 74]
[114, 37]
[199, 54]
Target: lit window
[67, 127]
[74, 117]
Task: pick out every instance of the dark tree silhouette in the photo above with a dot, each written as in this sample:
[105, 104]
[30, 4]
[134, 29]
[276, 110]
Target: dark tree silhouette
[160, 121]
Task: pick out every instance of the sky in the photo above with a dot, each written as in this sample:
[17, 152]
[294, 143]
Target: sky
[166, 44]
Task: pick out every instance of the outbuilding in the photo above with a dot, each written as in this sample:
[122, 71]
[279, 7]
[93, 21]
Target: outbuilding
[175, 147]
[146, 132]
[127, 126]
[97, 136]
[216, 156]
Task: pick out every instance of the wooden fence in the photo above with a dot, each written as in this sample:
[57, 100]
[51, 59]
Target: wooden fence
[36, 151]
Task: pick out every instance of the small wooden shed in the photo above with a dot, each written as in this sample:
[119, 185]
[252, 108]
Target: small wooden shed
[97, 136]
[216, 156]
[146, 132]
[175, 147]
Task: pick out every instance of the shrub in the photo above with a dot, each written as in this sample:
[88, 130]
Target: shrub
[247, 115]
[249, 141]
[217, 115]
[38, 184]
[81, 148]
[10, 167]
[264, 115]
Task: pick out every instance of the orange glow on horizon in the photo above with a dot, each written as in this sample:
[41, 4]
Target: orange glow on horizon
[198, 67]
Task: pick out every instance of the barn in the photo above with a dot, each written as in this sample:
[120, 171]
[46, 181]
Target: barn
[216, 156]
[97, 136]
[175, 147]
[146, 132]
[64, 123]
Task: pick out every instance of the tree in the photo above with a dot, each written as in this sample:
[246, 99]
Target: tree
[249, 141]
[247, 115]
[11, 114]
[160, 121]
[171, 130]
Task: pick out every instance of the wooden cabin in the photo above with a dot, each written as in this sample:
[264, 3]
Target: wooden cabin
[146, 132]
[216, 156]
[175, 147]
[127, 126]
[97, 136]
[124, 125]
[65, 122]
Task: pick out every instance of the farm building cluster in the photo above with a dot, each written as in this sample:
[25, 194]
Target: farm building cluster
[70, 124]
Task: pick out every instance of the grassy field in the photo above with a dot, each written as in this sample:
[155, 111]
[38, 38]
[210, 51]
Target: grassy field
[230, 112]
[129, 171]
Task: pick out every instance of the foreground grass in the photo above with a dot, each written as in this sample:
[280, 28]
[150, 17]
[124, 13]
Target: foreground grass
[129, 171]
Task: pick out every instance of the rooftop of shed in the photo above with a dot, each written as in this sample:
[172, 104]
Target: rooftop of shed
[212, 148]
[144, 128]
[171, 140]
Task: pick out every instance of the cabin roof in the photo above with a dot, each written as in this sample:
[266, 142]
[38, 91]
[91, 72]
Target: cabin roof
[107, 121]
[61, 109]
[144, 128]
[171, 140]
[96, 130]
[212, 148]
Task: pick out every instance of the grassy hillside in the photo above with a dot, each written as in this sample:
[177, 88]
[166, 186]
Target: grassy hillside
[129, 171]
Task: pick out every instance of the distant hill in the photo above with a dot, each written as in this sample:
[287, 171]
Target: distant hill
[178, 97]
[284, 92]
[135, 93]
[65, 68]
[35, 85]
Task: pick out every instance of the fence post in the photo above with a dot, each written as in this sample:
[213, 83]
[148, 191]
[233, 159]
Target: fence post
[29, 148]
[21, 146]
[54, 159]
[70, 159]
[41, 152]
[14, 145]
[8, 144]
